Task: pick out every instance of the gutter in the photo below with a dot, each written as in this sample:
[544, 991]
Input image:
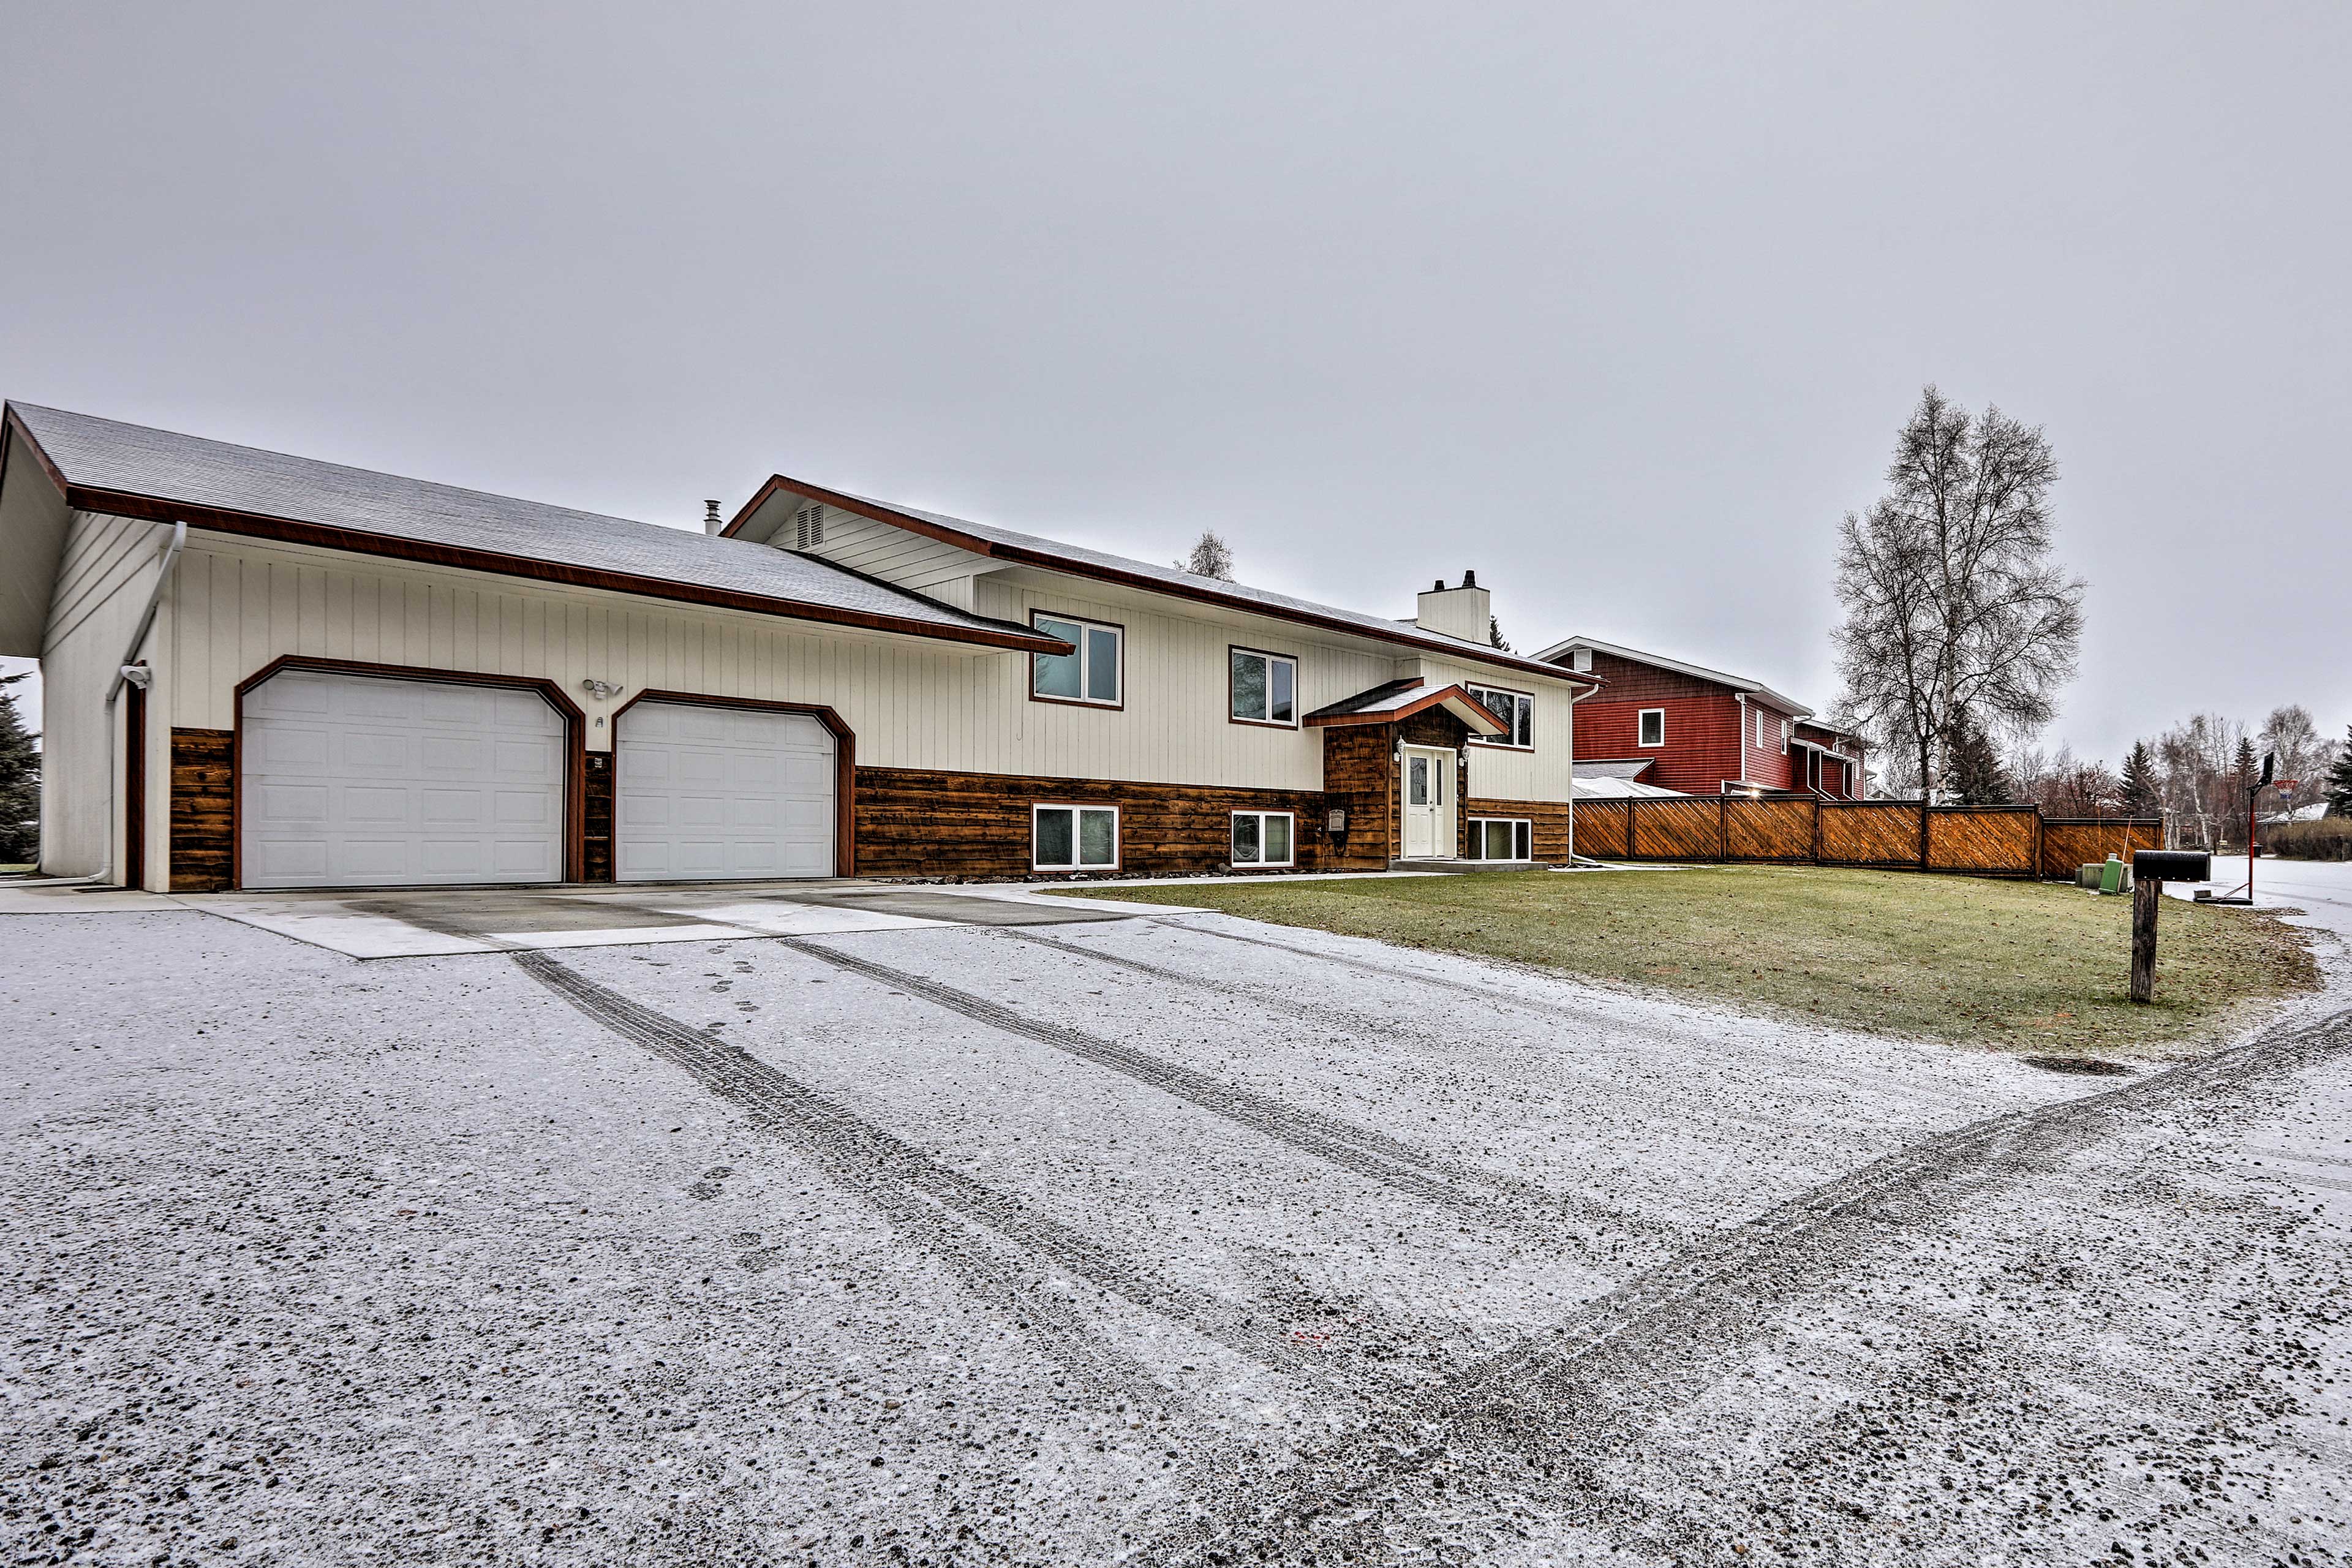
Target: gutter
[132, 671]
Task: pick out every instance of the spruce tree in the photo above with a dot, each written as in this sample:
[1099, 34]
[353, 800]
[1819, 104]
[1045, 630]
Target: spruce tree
[2340, 779]
[1977, 777]
[2140, 795]
[20, 783]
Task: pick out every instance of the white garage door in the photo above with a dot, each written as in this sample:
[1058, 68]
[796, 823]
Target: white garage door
[356, 781]
[714, 793]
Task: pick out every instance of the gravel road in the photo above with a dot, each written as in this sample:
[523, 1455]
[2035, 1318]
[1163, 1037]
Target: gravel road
[1154, 1241]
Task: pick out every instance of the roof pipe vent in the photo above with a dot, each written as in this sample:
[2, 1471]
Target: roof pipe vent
[711, 522]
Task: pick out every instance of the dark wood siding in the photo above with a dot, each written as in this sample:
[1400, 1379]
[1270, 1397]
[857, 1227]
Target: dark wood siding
[596, 818]
[204, 810]
[914, 822]
[1548, 820]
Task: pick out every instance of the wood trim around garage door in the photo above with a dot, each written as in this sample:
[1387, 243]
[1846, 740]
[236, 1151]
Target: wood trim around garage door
[575, 730]
[844, 763]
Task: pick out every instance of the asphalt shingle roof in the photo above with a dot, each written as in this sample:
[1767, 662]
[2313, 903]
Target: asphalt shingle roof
[108, 455]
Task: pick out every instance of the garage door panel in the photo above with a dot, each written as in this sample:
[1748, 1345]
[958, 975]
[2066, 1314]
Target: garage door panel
[375, 804]
[707, 794]
[354, 781]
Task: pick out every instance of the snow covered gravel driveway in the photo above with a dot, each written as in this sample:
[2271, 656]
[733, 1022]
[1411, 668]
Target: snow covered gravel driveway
[1182, 1240]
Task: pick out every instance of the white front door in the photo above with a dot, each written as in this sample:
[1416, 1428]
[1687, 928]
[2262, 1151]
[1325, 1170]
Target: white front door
[367, 780]
[709, 793]
[1428, 796]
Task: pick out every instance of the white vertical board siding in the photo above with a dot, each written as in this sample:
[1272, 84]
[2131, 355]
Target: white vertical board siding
[104, 577]
[911, 703]
[894, 555]
[1497, 775]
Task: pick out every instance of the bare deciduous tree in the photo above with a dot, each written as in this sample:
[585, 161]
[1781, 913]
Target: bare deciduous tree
[1211, 557]
[2291, 734]
[1953, 602]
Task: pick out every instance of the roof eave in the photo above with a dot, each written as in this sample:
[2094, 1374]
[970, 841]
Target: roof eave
[361, 542]
[1014, 554]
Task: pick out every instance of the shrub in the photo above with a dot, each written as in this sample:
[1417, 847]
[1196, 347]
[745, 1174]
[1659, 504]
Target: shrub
[2329, 838]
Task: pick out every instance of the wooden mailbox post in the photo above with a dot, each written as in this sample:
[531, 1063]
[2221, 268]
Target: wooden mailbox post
[2151, 868]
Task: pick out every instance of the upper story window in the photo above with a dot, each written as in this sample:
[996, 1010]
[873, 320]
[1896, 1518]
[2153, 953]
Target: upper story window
[1518, 713]
[1517, 709]
[1263, 688]
[1093, 674]
[1653, 727]
[1785, 727]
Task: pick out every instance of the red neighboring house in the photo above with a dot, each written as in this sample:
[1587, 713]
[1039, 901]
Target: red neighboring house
[1685, 727]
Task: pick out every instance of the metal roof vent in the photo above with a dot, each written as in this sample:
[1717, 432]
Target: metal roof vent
[711, 522]
[809, 523]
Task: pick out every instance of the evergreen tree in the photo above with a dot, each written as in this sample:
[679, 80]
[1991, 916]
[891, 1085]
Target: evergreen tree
[1494, 634]
[1977, 776]
[20, 783]
[2140, 795]
[2243, 767]
[2339, 779]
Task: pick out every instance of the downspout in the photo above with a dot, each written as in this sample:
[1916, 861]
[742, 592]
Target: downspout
[131, 672]
[1741, 699]
[1574, 698]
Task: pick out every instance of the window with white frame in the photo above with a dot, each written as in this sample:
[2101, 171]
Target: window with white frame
[1264, 838]
[1263, 688]
[1786, 730]
[1091, 673]
[1502, 839]
[1653, 727]
[1075, 838]
[1517, 709]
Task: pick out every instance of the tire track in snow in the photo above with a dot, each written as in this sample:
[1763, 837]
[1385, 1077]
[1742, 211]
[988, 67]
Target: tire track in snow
[1528, 1193]
[1373, 1155]
[1541, 1420]
[928, 1203]
[1680, 1040]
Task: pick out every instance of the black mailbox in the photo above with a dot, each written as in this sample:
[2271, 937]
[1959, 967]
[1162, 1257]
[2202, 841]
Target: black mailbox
[2173, 866]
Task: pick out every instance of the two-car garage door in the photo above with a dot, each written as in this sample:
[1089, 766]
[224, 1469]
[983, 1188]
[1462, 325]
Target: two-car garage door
[356, 781]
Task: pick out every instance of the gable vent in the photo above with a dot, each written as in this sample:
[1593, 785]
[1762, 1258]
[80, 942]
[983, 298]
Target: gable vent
[810, 521]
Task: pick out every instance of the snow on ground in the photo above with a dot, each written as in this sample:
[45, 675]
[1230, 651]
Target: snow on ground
[1153, 1240]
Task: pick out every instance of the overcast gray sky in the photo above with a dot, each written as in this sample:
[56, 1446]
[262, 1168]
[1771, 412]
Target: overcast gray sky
[1620, 306]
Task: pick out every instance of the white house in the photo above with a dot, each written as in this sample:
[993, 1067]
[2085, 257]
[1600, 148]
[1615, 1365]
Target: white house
[263, 671]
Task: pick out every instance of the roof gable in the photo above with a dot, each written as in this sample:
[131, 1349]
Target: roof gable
[1561, 651]
[1004, 544]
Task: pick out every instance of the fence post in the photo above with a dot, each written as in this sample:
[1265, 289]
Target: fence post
[1722, 829]
[1817, 831]
[1923, 809]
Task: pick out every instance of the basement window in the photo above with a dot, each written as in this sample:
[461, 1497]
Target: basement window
[1653, 727]
[1502, 839]
[1263, 837]
[1075, 838]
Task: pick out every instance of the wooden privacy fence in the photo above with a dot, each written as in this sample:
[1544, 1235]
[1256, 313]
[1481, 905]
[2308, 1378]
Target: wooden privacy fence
[1897, 834]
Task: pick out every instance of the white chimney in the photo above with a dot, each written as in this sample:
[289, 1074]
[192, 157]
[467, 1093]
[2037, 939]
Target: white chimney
[711, 522]
[1462, 612]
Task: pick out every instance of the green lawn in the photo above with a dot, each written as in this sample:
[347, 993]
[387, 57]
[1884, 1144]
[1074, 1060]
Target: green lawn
[2018, 966]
